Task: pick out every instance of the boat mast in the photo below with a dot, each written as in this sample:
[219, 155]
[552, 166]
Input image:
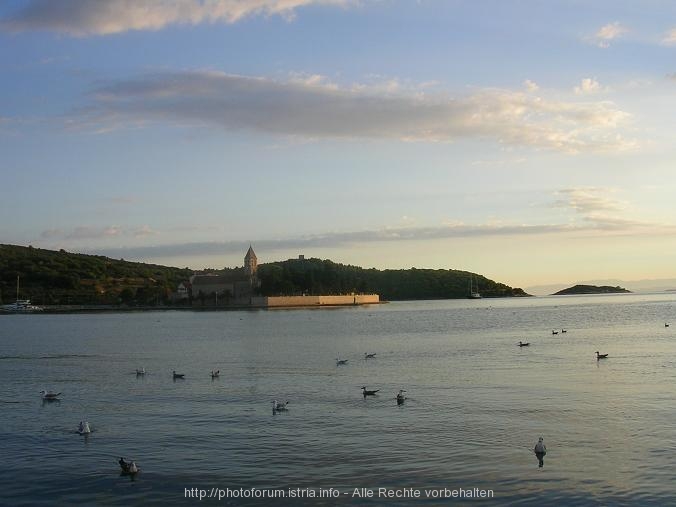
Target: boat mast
[17, 287]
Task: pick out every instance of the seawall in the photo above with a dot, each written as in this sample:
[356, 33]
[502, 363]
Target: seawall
[290, 301]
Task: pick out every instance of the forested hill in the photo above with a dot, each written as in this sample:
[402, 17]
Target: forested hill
[316, 276]
[51, 278]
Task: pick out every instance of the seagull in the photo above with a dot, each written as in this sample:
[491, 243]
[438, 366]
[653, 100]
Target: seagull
[83, 428]
[601, 356]
[369, 393]
[564, 330]
[128, 468]
[666, 324]
[401, 397]
[540, 447]
[369, 356]
[555, 332]
[215, 374]
[140, 371]
[178, 375]
[341, 362]
[522, 344]
[278, 406]
[540, 450]
[49, 395]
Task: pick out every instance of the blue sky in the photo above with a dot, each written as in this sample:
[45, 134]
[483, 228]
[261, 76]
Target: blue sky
[529, 141]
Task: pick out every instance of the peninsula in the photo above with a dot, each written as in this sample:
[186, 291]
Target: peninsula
[61, 278]
[591, 289]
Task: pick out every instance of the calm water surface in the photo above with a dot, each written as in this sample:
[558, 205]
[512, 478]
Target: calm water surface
[476, 402]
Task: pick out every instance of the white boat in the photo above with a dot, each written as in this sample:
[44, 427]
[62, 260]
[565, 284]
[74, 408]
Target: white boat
[20, 305]
[473, 294]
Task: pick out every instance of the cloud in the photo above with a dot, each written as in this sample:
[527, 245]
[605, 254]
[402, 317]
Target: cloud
[87, 232]
[602, 213]
[670, 38]
[313, 108]
[607, 33]
[531, 86]
[144, 231]
[86, 17]
[592, 224]
[587, 86]
[329, 240]
[588, 200]
[596, 212]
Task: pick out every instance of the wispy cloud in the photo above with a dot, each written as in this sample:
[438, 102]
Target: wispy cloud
[88, 232]
[608, 33]
[588, 200]
[670, 38]
[531, 86]
[588, 86]
[86, 17]
[602, 212]
[596, 212]
[314, 108]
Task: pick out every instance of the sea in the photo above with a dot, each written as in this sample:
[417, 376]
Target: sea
[476, 405]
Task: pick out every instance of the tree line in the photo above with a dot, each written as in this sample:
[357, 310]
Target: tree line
[61, 278]
[317, 276]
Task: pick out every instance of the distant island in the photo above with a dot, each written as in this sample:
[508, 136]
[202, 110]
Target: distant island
[54, 278]
[591, 289]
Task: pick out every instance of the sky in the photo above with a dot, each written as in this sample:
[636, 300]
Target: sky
[532, 142]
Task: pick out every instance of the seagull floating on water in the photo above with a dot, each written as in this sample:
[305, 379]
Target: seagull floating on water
[178, 375]
[555, 332]
[540, 450]
[83, 428]
[369, 356]
[601, 356]
[140, 371]
[50, 395]
[128, 468]
[341, 362]
[666, 324]
[215, 374]
[400, 397]
[278, 406]
[564, 330]
[366, 392]
[524, 344]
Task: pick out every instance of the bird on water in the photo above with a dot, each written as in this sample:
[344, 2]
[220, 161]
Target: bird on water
[366, 392]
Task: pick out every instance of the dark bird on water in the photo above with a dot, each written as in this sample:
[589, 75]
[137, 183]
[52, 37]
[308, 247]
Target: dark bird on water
[524, 344]
[600, 356]
[366, 392]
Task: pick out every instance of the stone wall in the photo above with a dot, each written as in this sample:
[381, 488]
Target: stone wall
[315, 301]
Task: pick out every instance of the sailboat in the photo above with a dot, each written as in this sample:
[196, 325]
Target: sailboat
[473, 294]
[21, 305]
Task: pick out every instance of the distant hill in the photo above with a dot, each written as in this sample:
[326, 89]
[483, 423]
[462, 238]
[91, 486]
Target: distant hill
[591, 289]
[51, 277]
[650, 285]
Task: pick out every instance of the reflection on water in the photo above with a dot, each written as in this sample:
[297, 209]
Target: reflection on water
[478, 402]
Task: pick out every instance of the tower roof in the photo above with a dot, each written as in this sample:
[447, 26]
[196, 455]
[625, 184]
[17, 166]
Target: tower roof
[250, 254]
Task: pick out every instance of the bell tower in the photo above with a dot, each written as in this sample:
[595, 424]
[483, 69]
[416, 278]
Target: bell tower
[250, 263]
